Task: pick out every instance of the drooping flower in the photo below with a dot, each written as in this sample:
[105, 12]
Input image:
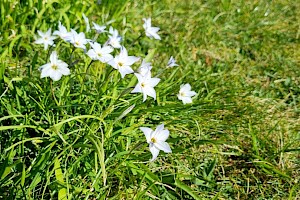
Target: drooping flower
[157, 140]
[99, 29]
[144, 68]
[100, 53]
[45, 38]
[114, 38]
[62, 32]
[146, 85]
[55, 69]
[78, 39]
[123, 62]
[151, 32]
[172, 62]
[87, 23]
[185, 93]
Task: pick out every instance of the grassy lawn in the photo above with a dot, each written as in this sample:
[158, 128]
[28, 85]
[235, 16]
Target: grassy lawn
[79, 137]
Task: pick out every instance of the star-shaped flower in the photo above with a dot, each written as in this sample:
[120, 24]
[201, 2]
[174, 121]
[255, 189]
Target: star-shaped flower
[172, 62]
[185, 93]
[122, 62]
[78, 39]
[62, 32]
[45, 38]
[144, 68]
[151, 32]
[114, 38]
[146, 85]
[156, 140]
[99, 29]
[100, 53]
[55, 69]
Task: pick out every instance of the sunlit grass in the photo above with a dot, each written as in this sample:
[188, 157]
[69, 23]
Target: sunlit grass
[238, 140]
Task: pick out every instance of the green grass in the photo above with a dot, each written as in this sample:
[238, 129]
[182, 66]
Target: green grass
[240, 139]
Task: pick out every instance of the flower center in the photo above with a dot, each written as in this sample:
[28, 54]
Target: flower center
[143, 84]
[46, 38]
[99, 54]
[120, 64]
[182, 94]
[54, 67]
[153, 140]
[77, 43]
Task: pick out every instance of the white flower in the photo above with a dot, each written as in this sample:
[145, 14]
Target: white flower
[78, 39]
[146, 85]
[172, 62]
[98, 53]
[114, 38]
[156, 140]
[62, 32]
[87, 23]
[151, 32]
[144, 68]
[98, 28]
[185, 93]
[55, 69]
[122, 62]
[45, 38]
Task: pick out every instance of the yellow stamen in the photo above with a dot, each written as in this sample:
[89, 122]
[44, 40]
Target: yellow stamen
[54, 67]
[153, 140]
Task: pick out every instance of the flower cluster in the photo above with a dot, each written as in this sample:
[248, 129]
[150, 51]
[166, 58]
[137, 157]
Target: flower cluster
[113, 53]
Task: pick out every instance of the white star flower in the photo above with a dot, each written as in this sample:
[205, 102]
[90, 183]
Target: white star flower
[78, 39]
[185, 93]
[122, 62]
[146, 85]
[62, 32]
[156, 140]
[99, 29]
[151, 32]
[45, 38]
[87, 23]
[144, 68]
[55, 69]
[172, 62]
[100, 53]
[114, 38]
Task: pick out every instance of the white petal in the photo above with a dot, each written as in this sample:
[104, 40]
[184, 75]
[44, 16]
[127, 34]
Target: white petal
[107, 49]
[39, 41]
[56, 75]
[53, 58]
[191, 93]
[92, 54]
[150, 92]
[46, 70]
[64, 70]
[144, 96]
[106, 58]
[147, 132]
[131, 59]
[139, 77]
[154, 81]
[186, 87]
[186, 100]
[45, 46]
[154, 152]
[162, 135]
[125, 70]
[159, 128]
[163, 146]
[123, 52]
[113, 63]
[137, 89]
